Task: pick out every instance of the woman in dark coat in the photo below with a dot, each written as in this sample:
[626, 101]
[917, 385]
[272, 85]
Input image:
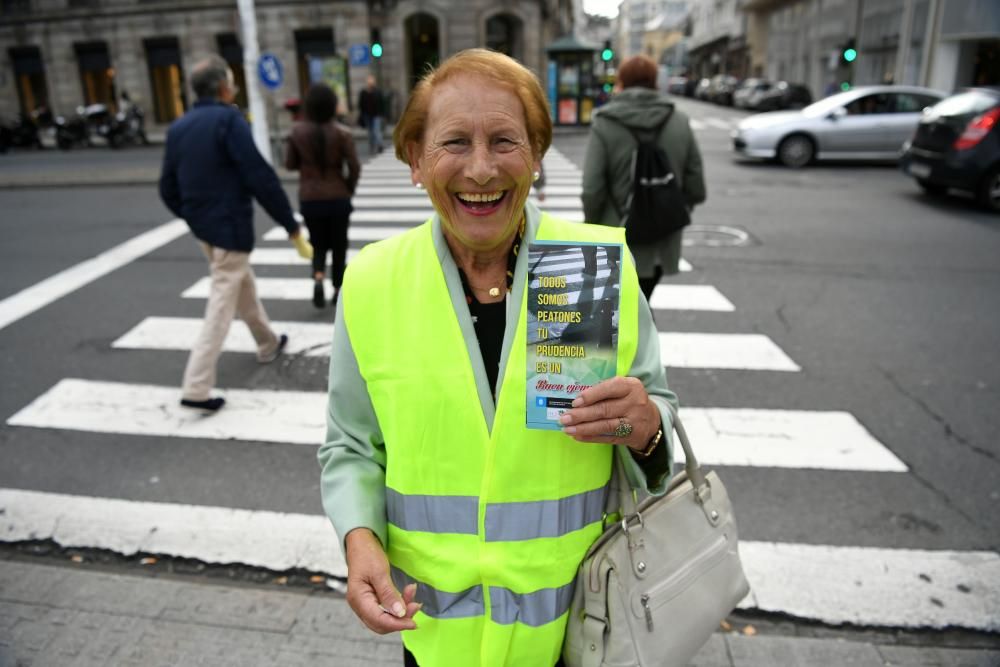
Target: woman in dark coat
[324, 154]
[607, 168]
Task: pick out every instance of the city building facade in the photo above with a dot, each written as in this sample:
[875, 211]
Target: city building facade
[718, 42]
[65, 53]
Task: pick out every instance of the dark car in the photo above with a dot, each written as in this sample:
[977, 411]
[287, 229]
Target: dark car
[784, 95]
[957, 145]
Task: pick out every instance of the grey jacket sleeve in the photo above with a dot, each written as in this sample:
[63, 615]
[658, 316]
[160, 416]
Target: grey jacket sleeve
[653, 474]
[352, 460]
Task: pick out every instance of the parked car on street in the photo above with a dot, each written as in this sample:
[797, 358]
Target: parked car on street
[721, 89]
[866, 123]
[701, 90]
[782, 95]
[677, 85]
[748, 92]
[957, 145]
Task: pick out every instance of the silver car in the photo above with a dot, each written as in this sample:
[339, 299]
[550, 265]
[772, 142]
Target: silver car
[865, 123]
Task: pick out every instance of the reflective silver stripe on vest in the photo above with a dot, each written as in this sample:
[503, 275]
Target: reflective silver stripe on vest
[508, 522]
[440, 604]
[534, 609]
[433, 514]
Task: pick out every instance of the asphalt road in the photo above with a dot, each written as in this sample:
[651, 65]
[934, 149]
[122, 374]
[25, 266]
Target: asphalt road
[885, 298]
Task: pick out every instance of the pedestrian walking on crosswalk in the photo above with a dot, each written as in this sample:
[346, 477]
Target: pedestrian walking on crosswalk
[639, 111]
[323, 152]
[210, 168]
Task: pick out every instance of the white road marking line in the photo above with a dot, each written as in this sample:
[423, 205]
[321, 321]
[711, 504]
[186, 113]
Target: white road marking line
[820, 440]
[873, 586]
[354, 233]
[685, 266]
[832, 584]
[724, 351]
[746, 438]
[180, 333]
[689, 297]
[285, 257]
[69, 280]
[274, 540]
[291, 417]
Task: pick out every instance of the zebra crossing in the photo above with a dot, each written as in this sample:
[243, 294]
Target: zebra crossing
[833, 584]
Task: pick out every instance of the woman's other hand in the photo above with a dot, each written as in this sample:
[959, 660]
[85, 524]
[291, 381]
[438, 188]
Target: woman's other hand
[370, 590]
[598, 411]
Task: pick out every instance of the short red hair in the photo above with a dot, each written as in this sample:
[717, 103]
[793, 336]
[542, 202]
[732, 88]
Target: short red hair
[638, 71]
[496, 67]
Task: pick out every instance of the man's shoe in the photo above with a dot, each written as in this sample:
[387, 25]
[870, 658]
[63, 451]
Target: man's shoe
[209, 405]
[319, 297]
[282, 342]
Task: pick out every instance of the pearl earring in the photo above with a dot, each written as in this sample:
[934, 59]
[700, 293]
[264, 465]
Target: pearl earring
[419, 185]
[535, 176]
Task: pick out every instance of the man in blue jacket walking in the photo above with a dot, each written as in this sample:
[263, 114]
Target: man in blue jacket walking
[212, 171]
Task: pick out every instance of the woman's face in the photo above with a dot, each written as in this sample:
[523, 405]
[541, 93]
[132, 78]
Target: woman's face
[476, 160]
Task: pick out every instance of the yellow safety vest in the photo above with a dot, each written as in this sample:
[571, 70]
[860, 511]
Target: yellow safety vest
[491, 525]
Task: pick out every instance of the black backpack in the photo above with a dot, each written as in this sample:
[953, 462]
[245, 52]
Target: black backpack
[655, 207]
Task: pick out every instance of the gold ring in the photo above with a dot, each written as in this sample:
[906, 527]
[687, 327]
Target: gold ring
[624, 429]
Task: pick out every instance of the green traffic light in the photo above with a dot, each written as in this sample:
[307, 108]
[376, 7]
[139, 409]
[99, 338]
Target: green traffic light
[607, 88]
[376, 50]
[845, 86]
[607, 54]
[850, 55]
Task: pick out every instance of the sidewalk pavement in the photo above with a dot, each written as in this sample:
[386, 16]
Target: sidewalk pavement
[55, 616]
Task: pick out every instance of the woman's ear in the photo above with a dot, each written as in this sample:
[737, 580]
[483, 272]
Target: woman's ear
[413, 158]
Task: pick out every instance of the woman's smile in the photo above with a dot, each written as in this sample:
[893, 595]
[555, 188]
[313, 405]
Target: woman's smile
[481, 203]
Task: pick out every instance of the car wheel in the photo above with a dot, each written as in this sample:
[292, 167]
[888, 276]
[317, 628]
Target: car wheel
[796, 151]
[989, 189]
[933, 189]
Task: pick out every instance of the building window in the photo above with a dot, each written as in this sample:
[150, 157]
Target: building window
[29, 72]
[97, 76]
[232, 52]
[163, 55]
[316, 44]
[504, 34]
[423, 45]
[14, 7]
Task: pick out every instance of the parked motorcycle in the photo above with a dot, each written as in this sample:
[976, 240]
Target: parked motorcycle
[128, 127]
[72, 131]
[21, 134]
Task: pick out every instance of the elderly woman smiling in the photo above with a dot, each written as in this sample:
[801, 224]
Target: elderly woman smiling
[462, 527]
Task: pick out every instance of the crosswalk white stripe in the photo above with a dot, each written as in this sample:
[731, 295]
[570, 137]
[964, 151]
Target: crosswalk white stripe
[180, 333]
[274, 540]
[689, 297]
[723, 351]
[746, 438]
[285, 257]
[833, 584]
[677, 350]
[55, 287]
[292, 417]
[354, 233]
[803, 439]
[720, 124]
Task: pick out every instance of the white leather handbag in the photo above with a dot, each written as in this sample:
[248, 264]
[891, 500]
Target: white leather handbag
[656, 584]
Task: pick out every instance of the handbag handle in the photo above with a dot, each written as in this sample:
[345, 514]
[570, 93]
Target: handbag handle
[691, 466]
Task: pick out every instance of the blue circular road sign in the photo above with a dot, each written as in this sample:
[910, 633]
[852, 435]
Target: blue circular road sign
[270, 71]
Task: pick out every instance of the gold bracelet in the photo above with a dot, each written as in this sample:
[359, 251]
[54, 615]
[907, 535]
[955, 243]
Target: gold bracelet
[651, 447]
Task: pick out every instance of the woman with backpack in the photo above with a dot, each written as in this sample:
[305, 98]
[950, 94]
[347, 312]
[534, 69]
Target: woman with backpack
[323, 152]
[639, 113]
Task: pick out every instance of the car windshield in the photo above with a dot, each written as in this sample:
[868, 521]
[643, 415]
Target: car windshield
[828, 104]
[965, 104]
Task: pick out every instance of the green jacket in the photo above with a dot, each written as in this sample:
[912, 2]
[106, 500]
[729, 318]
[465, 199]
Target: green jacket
[607, 174]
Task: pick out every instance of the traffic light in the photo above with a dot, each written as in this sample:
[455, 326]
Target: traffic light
[849, 53]
[608, 53]
[376, 42]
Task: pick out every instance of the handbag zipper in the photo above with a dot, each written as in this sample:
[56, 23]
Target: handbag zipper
[649, 612]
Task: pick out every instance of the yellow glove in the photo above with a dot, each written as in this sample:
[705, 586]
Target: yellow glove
[303, 246]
